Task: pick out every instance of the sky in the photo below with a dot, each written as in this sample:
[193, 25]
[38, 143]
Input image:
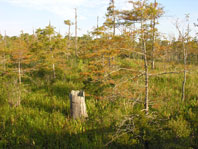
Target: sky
[26, 15]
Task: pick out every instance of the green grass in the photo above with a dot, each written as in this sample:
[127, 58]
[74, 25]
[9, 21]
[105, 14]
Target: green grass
[43, 118]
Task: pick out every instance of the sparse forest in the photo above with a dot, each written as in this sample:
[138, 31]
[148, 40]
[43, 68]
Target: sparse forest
[140, 88]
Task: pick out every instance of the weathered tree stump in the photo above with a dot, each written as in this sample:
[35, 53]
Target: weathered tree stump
[77, 104]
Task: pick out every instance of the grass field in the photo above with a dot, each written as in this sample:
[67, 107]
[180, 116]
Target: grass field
[43, 118]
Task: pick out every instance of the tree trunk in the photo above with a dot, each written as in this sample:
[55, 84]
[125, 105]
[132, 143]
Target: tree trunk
[77, 104]
[184, 80]
[153, 40]
[145, 67]
[54, 72]
[146, 80]
[114, 25]
[76, 29]
[97, 22]
[69, 32]
[185, 56]
[19, 87]
[4, 54]
[19, 71]
[53, 65]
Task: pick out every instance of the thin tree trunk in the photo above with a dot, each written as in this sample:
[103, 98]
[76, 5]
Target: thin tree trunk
[184, 80]
[34, 36]
[4, 55]
[146, 79]
[54, 72]
[109, 58]
[97, 22]
[153, 40]
[110, 62]
[69, 32]
[97, 25]
[76, 29]
[19, 71]
[19, 77]
[103, 61]
[114, 25]
[53, 65]
[19, 64]
[69, 41]
[146, 103]
[184, 54]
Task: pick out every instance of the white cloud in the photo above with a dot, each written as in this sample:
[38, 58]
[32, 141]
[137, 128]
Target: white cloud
[58, 7]
[88, 10]
[63, 8]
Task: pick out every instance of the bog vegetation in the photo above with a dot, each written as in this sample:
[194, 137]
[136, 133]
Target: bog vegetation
[141, 88]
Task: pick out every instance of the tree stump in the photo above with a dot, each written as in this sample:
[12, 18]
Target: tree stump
[77, 104]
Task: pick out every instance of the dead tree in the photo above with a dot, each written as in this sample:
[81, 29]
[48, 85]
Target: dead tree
[69, 23]
[153, 36]
[77, 104]
[4, 52]
[76, 33]
[144, 51]
[53, 65]
[184, 37]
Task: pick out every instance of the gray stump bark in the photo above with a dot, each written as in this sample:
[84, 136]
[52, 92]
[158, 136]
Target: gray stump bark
[77, 104]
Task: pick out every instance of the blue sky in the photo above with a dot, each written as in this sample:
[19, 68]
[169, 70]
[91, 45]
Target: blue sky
[17, 15]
